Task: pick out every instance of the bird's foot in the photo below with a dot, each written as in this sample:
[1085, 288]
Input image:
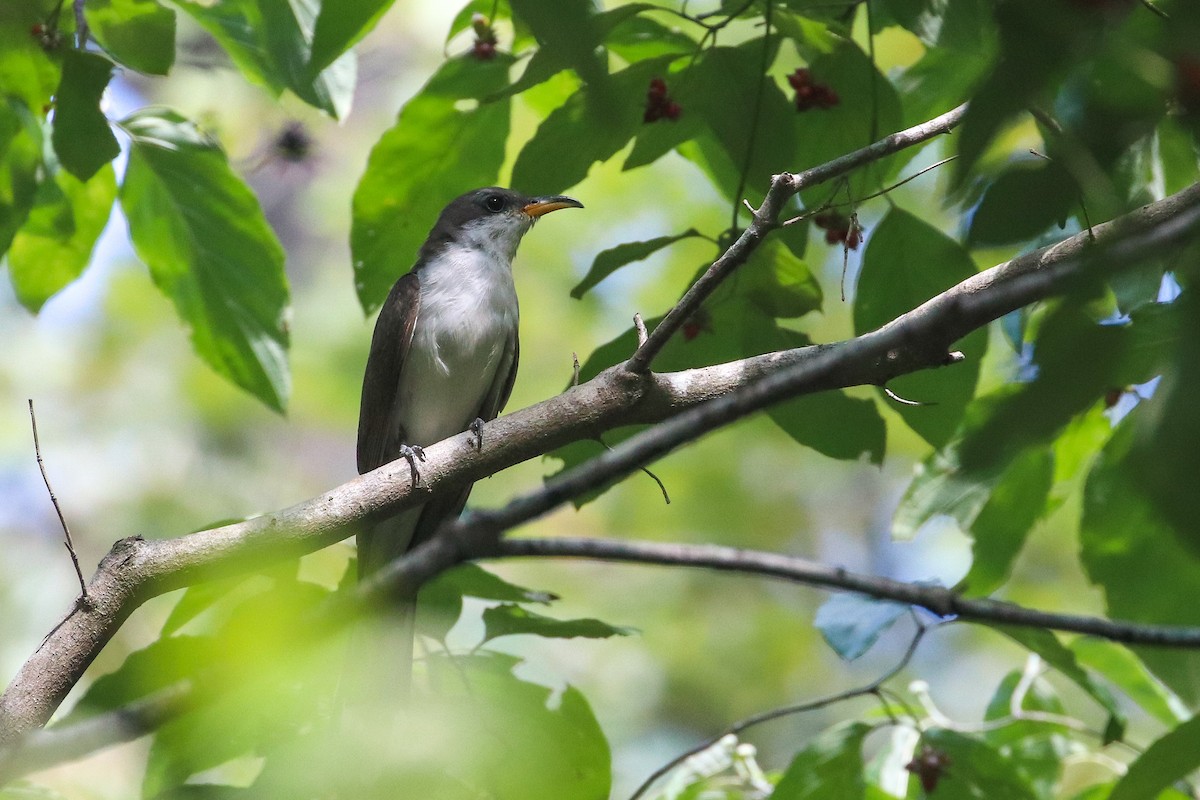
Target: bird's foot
[476, 429]
[411, 453]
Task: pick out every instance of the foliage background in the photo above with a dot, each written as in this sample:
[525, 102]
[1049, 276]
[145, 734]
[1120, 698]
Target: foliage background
[141, 438]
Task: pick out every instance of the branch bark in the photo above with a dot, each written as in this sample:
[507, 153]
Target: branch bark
[691, 403]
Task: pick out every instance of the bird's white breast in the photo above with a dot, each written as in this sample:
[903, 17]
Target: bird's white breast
[467, 318]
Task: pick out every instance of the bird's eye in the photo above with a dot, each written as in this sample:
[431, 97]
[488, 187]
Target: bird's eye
[494, 203]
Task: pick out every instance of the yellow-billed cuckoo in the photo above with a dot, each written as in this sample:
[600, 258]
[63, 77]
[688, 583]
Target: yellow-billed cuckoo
[444, 353]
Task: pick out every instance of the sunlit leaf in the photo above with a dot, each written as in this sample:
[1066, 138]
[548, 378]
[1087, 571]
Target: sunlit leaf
[55, 244]
[1165, 761]
[209, 249]
[434, 152]
[20, 158]
[1126, 671]
[139, 34]
[339, 26]
[831, 766]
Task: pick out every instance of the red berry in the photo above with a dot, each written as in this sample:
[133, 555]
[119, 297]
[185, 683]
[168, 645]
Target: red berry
[38, 30]
[484, 50]
[673, 111]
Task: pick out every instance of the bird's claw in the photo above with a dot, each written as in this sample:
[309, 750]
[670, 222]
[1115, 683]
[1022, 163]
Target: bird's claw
[411, 453]
[476, 429]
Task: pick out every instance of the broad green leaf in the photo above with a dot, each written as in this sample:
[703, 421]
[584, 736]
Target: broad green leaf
[1047, 645]
[160, 664]
[1125, 546]
[1025, 200]
[583, 131]
[778, 282]
[139, 34]
[209, 249]
[830, 767]
[638, 38]
[999, 530]
[1036, 748]
[440, 602]
[81, 136]
[1121, 667]
[835, 424]
[975, 770]
[27, 72]
[908, 261]
[270, 41]
[20, 160]
[503, 725]
[1178, 156]
[55, 244]
[852, 623]
[339, 26]
[434, 152]
[508, 619]
[570, 30]
[612, 259]
[1165, 761]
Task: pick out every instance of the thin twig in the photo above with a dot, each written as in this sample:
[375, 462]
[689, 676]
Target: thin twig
[754, 115]
[737, 728]
[62, 520]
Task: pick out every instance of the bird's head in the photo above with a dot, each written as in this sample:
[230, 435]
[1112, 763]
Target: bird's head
[495, 218]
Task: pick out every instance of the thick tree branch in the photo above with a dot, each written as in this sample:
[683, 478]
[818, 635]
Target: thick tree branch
[692, 402]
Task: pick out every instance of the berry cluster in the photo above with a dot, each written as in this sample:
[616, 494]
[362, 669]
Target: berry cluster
[485, 38]
[659, 104]
[810, 95]
[699, 322]
[47, 36]
[839, 228]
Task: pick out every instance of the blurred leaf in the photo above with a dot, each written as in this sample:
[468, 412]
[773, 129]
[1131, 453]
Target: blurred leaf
[975, 769]
[82, 138]
[1026, 199]
[55, 244]
[852, 623]
[835, 424]
[508, 619]
[1000, 528]
[1169, 429]
[829, 767]
[504, 724]
[1177, 155]
[1167, 760]
[1036, 748]
[24, 790]
[202, 234]
[1127, 672]
[612, 259]
[639, 38]
[1047, 645]
[433, 153]
[908, 261]
[583, 131]
[339, 26]
[164, 662]
[28, 73]
[139, 34]
[270, 42]
[441, 599]
[20, 159]
[1125, 546]
[206, 791]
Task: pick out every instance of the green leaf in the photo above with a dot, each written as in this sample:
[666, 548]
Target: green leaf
[139, 34]
[908, 261]
[504, 724]
[835, 424]
[975, 770]
[20, 160]
[569, 29]
[1000, 528]
[778, 282]
[1025, 200]
[1126, 546]
[339, 26]
[55, 244]
[441, 599]
[585, 130]
[82, 138]
[28, 73]
[830, 767]
[639, 38]
[612, 259]
[1126, 671]
[508, 619]
[1047, 645]
[160, 664]
[209, 249]
[852, 623]
[270, 42]
[1165, 761]
[433, 153]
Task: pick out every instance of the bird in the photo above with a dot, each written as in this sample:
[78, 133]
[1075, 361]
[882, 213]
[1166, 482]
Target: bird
[443, 356]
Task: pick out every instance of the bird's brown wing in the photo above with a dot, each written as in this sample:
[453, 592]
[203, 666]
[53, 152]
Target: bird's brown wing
[379, 439]
[449, 504]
